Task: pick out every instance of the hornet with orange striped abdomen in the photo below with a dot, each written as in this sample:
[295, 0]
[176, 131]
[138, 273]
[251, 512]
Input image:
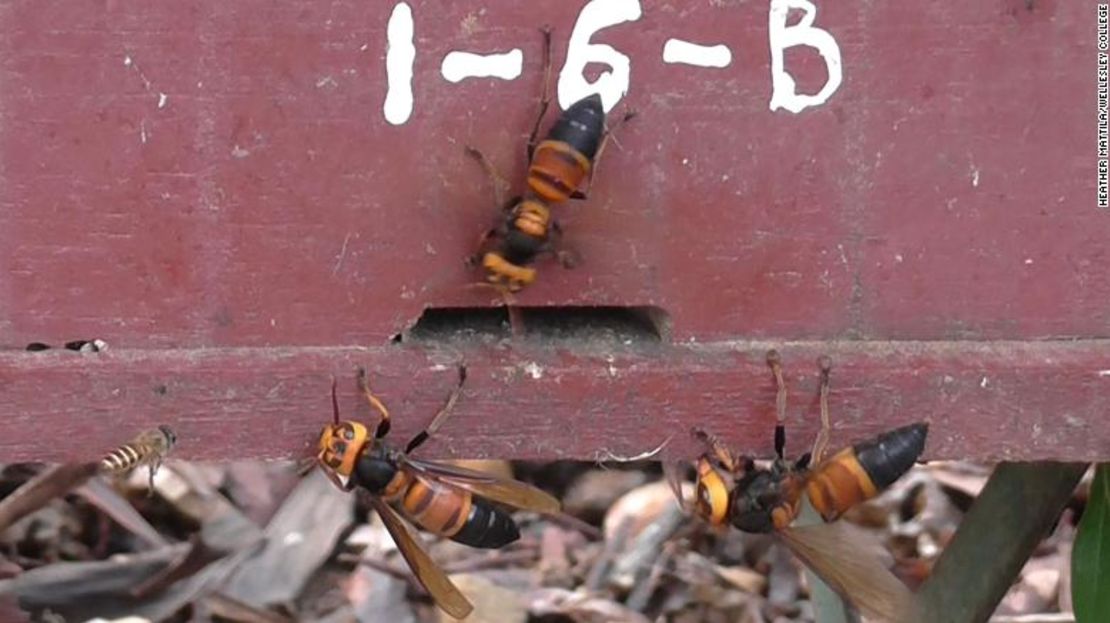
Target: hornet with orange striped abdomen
[463, 505]
[558, 167]
[732, 490]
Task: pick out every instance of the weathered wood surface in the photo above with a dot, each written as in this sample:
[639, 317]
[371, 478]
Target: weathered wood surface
[193, 180]
[987, 400]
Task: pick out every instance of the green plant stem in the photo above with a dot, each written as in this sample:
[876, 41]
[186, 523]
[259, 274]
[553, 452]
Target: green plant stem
[1014, 512]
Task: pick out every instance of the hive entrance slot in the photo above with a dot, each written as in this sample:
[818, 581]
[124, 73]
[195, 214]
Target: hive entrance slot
[622, 325]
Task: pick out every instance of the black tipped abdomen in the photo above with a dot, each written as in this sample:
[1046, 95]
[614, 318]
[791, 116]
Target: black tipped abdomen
[487, 527]
[581, 126]
[891, 454]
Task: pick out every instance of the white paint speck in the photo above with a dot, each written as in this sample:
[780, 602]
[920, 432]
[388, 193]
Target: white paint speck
[162, 99]
[898, 258]
[399, 59]
[326, 81]
[94, 346]
[1104, 373]
[341, 255]
[239, 152]
[679, 51]
[534, 370]
[293, 538]
[984, 382]
[142, 132]
[685, 161]
[1028, 261]
[610, 367]
[458, 66]
[126, 61]
[975, 177]
[365, 46]
[273, 323]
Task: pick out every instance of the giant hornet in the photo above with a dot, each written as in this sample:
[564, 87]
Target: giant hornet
[446, 500]
[732, 490]
[558, 167]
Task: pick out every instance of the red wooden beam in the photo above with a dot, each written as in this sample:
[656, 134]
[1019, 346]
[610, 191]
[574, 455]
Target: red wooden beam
[990, 401]
[214, 189]
[924, 200]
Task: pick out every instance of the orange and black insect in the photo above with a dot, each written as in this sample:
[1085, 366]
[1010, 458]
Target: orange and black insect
[558, 167]
[457, 503]
[732, 490]
[149, 447]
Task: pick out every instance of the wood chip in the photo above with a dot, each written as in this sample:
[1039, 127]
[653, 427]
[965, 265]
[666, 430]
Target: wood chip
[299, 539]
[492, 603]
[580, 607]
[51, 483]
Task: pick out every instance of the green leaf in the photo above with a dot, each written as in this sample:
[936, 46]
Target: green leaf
[1090, 558]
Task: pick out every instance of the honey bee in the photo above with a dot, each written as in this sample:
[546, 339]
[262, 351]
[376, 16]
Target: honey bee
[149, 448]
[450, 501]
[731, 490]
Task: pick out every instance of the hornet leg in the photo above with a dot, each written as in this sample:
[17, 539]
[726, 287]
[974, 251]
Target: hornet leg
[775, 361]
[499, 183]
[822, 442]
[375, 403]
[582, 194]
[717, 449]
[545, 95]
[567, 258]
[440, 416]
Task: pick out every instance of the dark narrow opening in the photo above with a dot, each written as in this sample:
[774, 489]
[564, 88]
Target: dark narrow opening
[623, 325]
[81, 346]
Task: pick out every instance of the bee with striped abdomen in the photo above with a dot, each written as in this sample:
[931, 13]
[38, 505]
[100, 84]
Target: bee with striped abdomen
[732, 490]
[453, 502]
[149, 447]
[558, 167]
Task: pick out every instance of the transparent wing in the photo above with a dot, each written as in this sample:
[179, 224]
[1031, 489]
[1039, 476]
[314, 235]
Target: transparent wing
[846, 559]
[439, 586]
[510, 492]
[675, 475]
[152, 438]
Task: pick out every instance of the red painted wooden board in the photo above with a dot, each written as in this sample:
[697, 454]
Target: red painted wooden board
[1000, 400]
[213, 189]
